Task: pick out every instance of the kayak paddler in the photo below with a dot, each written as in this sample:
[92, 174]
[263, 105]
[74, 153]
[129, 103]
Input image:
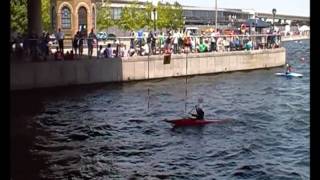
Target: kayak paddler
[288, 69]
[200, 113]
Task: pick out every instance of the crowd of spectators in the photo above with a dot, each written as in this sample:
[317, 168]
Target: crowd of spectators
[140, 44]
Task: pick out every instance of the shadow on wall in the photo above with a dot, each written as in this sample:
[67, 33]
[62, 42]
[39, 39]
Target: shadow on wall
[30, 75]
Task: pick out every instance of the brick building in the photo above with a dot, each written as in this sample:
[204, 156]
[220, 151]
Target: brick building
[73, 15]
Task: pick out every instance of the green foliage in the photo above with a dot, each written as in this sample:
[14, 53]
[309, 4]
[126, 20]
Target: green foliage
[177, 16]
[18, 15]
[135, 17]
[147, 15]
[132, 17]
[169, 16]
[45, 13]
[104, 16]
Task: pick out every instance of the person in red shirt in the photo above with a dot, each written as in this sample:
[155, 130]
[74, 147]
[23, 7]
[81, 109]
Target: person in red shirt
[58, 55]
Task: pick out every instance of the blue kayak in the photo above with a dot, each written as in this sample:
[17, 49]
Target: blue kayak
[292, 74]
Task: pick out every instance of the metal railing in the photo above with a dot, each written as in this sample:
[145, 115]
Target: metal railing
[131, 46]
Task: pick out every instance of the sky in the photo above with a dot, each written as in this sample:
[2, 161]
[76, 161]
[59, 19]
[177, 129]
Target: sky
[287, 7]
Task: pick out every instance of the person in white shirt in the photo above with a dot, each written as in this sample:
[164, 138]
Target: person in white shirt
[145, 50]
[108, 52]
[213, 46]
[60, 37]
[100, 52]
[175, 42]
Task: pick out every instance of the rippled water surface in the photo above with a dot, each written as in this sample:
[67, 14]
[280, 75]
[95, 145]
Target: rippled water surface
[116, 131]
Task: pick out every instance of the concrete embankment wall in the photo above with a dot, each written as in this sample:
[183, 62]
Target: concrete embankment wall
[28, 75]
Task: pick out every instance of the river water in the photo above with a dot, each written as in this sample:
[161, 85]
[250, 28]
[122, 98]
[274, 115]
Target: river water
[116, 131]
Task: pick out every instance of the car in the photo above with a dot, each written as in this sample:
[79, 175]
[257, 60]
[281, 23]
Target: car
[111, 37]
[102, 36]
[52, 39]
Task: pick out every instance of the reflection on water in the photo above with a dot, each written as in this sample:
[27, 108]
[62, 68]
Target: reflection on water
[116, 131]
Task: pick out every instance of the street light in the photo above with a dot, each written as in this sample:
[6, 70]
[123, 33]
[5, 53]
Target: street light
[274, 11]
[154, 19]
[216, 17]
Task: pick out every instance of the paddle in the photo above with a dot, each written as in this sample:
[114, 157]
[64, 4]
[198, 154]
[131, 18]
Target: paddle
[191, 110]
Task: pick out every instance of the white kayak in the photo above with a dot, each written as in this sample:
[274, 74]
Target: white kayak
[292, 74]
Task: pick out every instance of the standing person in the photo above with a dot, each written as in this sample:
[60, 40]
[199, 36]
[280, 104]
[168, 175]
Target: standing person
[132, 36]
[153, 43]
[149, 39]
[180, 41]
[140, 39]
[75, 42]
[187, 42]
[168, 42]
[175, 42]
[226, 44]
[220, 46]
[161, 42]
[60, 38]
[80, 44]
[193, 44]
[213, 46]
[91, 38]
[47, 40]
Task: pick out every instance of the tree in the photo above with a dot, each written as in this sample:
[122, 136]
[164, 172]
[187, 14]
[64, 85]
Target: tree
[177, 16]
[18, 16]
[135, 17]
[148, 10]
[104, 16]
[45, 15]
[169, 16]
[132, 17]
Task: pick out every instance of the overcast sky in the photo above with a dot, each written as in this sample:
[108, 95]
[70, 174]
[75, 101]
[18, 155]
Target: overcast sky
[287, 7]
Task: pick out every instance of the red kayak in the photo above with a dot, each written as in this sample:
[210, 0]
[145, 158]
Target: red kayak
[193, 122]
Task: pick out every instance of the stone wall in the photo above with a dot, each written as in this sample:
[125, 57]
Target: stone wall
[28, 75]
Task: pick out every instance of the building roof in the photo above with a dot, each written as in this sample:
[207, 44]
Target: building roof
[257, 23]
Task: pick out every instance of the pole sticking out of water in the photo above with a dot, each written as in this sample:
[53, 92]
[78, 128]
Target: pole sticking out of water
[148, 98]
[148, 79]
[185, 106]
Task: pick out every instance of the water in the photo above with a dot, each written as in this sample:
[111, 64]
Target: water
[116, 131]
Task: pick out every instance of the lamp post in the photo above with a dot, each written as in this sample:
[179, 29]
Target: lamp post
[154, 19]
[274, 11]
[216, 16]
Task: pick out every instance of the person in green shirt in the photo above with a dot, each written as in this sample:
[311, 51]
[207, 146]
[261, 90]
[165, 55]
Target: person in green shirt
[202, 47]
[161, 41]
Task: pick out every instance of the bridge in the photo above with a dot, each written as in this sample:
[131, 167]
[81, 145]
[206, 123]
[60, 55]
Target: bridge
[284, 18]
